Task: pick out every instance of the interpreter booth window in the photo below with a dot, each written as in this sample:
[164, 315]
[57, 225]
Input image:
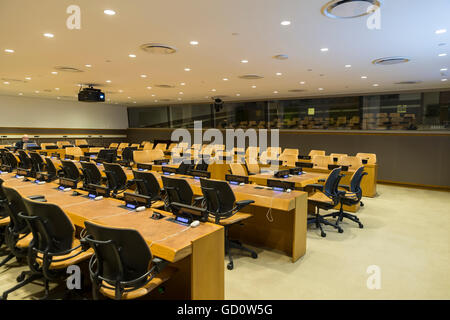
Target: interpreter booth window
[241, 115]
[184, 116]
[148, 117]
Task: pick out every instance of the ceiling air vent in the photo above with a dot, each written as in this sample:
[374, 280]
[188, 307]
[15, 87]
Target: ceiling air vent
[297, 90]
[281, 57]
[408, 82]
[349, 9]
[164, 86]
[158, 48]
[165, 100]
[67, 69]
[14, 80]
[251, 77]
[390, 60]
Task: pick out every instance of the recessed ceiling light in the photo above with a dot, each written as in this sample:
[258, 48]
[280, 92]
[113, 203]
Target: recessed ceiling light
[179, 99]
[444, 69]
[182, 84]
[128, 97]
[238, 94]
[108, 81]
[348, 65]
[278, 73]
[225, 79]
[363, 77]
[156, 100]
[441, 31]
[54, 72]
[194, 43]
[109, 12]
[375, 84]
[244, 61]
[187, 69]
[20, 93]
[143, 76]
[28, 78]
[442, 54]
[56, 89]
[180, 92]
[9, 50]
[213, 90]
[320, 89]
[275, 92]
[58, 98]
[131, 55]
[253, 87]
[153, 95]
[443, 80]
[134, 101]
[206, 97]
[349, 9]
[88, 65]
[285, 23]
[324, 49]
[6, 82]
[149, 88]
[120, 90]
[37, 91]
[302, 82]
[48, 35]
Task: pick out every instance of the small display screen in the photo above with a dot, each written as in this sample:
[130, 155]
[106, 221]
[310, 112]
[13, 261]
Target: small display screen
[92, 196]
[36, 181]
[61, 187]
[234, 182]
[131, 206]
[181, 219]
[278, 189]
[166, 173]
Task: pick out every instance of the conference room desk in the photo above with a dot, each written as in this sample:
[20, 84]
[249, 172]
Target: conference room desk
[197, 253]
[61, 152]
[279, 219]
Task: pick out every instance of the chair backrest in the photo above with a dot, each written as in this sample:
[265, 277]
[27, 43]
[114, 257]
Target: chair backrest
[201, 165]
[218, 194]
[275, 151]
[95, 149]
[288, 159]
[237, 169]
[25, 161]
[81, 142]
[161, 146]
[316, 153]
[135, 145]
[123, 145]
[339, 156]
[113, 145]
[178, 190]
[147, 156]
[11, 160]
[352, 162]
[51, 227]
[91, 173]
[45, 145]
[70, 170]
[252, 152]
[122, 254]
[355, 182]
[127, 153]
[330, 187]
[107, 155]
[74, 151]
[60, 144]
[147, 184]
[370, 157]
[288, 151]
[148, 146]
[14, 206]
[37, 162]
[51, 169]
[321, 161]
[185, 167]
[252, 167]
[117, 179]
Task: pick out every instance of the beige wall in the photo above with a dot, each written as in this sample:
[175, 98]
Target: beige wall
[53, 113]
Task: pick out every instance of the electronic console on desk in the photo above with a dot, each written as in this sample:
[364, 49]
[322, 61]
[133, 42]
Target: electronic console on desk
[296, 171]
[282, 174]
[236, 180]
[186, 214]
[134, 200]
[277, 185]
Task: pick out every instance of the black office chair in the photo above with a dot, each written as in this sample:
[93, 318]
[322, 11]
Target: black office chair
[351, 196]
[25, 165]
[116, 177]
[17, 234]
[4, 218]
[51, 172]
[9, 162]
[37, 163]
[201, 165]
[92, 176]
[178, 191]
[185, 167]
[221, 204]
[123, 266]
[325, 197]
[54, 246]
[147, 185]
[127, 156]
[106, 155]
[70, 171]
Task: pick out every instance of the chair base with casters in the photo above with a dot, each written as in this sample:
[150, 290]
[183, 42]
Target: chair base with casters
[319, 220]
[235, 244]
[341, 214]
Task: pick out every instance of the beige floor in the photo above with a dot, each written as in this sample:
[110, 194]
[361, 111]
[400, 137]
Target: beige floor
[406, 234]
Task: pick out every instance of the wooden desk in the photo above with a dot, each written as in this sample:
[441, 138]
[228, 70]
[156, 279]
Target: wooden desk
[300, 181]
[198, 253]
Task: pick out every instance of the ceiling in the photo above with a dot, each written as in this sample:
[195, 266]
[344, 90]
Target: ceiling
[227, 32]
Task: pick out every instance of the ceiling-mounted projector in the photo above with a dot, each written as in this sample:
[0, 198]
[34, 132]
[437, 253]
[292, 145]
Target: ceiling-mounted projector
[90, 94]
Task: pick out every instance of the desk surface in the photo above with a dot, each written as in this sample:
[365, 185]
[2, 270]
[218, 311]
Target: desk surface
[111, 212]
[300, 180]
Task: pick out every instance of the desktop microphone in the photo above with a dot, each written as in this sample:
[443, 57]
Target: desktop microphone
[195, 223]
[98, 198]
[139, 209]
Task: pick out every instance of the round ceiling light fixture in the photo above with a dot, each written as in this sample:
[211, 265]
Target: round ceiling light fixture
[349, 9]
[158, 48]
[390, 61]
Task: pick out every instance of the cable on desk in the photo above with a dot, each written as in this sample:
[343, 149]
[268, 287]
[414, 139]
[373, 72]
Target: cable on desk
[170, 236]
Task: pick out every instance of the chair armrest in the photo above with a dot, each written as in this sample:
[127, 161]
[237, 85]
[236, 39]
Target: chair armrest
[315, 186]
[344, 186]
[241, 204]
[35, 197]
[197, 199]
[321, 180]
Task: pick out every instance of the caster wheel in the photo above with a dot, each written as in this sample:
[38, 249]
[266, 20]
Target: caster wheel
[230, 266]
[361, 226]
[20, 278]
[323, 234]
[340, 230]
[254, 255]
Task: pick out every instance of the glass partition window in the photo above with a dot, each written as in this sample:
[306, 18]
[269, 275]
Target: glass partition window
[401, 111]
